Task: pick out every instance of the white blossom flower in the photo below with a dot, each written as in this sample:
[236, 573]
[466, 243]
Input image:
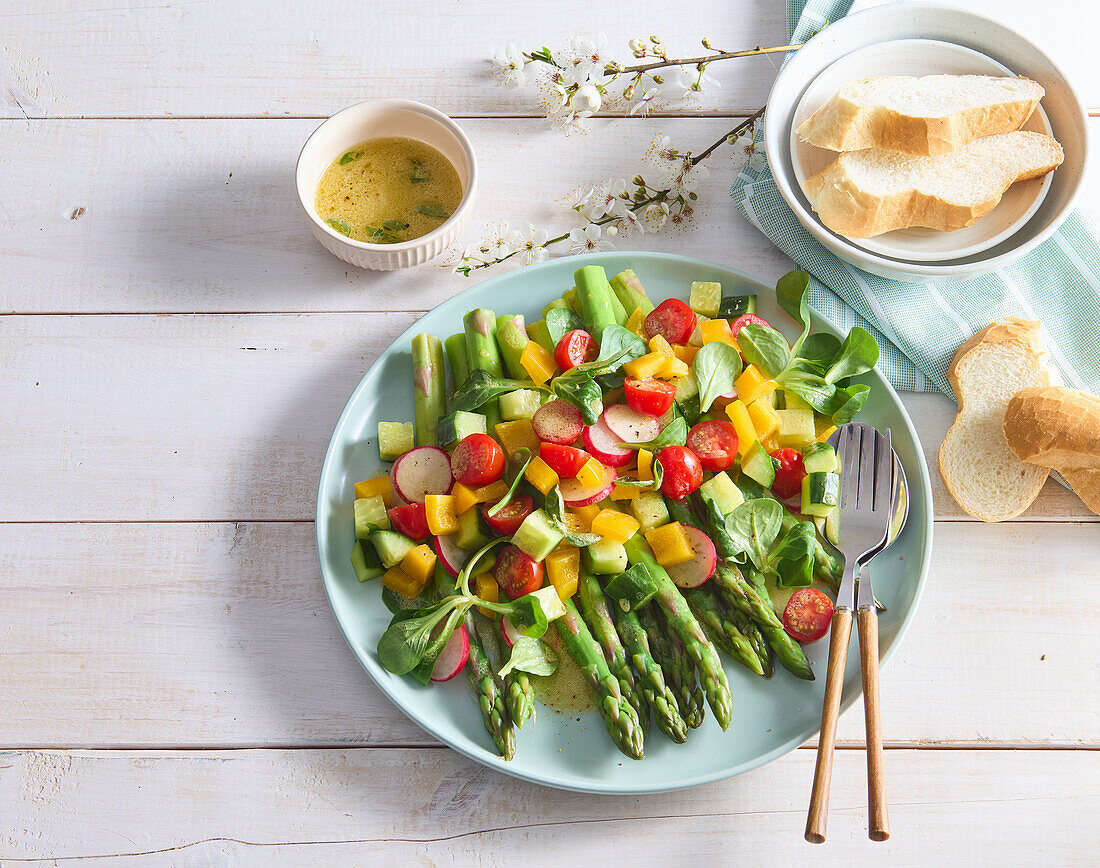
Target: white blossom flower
[630, 222]
[688, 177]
[501, 239]
[508, 65]
[604, 197]
[587, 101]
[587, 239]
[655, 216]
[533, 244]
[754, 156]
[582, 60]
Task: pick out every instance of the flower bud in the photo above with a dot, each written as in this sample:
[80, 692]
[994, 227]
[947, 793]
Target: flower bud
[612, 230]
[628, 92]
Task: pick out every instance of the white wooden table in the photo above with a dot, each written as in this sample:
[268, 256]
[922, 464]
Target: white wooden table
[174, 351]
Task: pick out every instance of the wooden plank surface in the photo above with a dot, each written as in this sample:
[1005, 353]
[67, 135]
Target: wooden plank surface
[220, 635]
[381, 807]
[211, 418]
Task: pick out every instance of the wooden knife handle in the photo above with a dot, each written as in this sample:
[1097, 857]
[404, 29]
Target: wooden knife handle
[818, 816]
[878, 821]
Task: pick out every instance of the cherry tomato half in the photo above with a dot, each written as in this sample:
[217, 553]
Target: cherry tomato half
[410, 520]
[477, 460]
[789, 473]
[649, 397]
[807, 615]
[566, 461]
[516, 573]
[715, 442]
[508, 518]
[673, 320]
[683, 471]
[744, 320]
[575, 348]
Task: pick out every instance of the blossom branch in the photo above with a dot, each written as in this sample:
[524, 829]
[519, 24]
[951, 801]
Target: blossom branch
[694, 61]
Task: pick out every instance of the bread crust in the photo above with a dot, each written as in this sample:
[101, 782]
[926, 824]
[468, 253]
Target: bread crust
[1059, 428]
[844, 125]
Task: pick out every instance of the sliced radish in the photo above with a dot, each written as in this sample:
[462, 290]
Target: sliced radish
[557, 422]
[454, 655]
[693, 573]
[508, 631]
[575, 493]
[631, 427]
[420, 472]
[607, 448]
[450, 555]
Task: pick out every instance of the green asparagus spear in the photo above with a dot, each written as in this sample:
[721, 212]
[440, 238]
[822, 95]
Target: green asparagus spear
[676, 665]
[759, 644]
[455, 346]
[619, 715]
[618, 309]
[520, 697]
[598, 618]
[684, 625]
[630, 293]
[540, 334]
[482, 354]
[721, 630]
[429, 375]
[594, 298]
[487, 689]
[658, 695]
[512, 340]
[740, 595]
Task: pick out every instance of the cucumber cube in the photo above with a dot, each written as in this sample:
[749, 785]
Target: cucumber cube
[796, 428]
[365, 562]
[471, 534]
[370, 514]
[820, 493]
[820, 458]
[734, 306]
[606, 557]
[391, 546]
[759, 465]
[394, 439]
[686, 388]
[520, 404]
[791, 401]
[649, 510]
[721, 489]
[537, 536]
[705, 298]
[454, 426]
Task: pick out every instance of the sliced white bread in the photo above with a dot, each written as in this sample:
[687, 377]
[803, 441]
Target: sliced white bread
[1059, 428]
[979, 469]
[927, 116]
[865, 193]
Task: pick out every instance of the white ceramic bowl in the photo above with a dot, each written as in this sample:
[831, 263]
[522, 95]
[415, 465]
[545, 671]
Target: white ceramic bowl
[376, 119]
[948, 24]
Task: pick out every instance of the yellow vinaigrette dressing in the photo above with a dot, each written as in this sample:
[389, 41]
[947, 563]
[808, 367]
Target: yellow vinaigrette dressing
[387, 190]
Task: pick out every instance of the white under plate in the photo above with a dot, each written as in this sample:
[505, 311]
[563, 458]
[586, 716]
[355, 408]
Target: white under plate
[921, 57]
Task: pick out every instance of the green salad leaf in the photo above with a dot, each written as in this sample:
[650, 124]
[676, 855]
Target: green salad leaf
[522, 457]
[481, 386]
[716, 366]
[673, 434]
[560, 321]
[753, 527]
[530, 655]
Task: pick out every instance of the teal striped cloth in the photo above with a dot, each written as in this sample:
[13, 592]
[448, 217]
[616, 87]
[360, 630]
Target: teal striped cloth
[919, 326]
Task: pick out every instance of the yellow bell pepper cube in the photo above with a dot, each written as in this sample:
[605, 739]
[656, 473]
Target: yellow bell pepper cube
[440, 512]
[574, 523]
[379, 485]
[685, 352]
[770, 443]
[585, 514]
[396, 579]
[541, 475]
[670, 544]
[825, 433]
[716, 330]
[742, 424]
[612, 524]
[645, 465]
[764, 419]
[486, 587]
[645, 366]
[538, 363]
[753, 385]
[624, 492]
[419, 563]
[563, 569]
[658, 344]
[636, 321]
[591, 474]
[673, 369]
[466, 497]
[517, 435]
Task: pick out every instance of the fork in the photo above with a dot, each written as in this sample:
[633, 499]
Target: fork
[865, 504]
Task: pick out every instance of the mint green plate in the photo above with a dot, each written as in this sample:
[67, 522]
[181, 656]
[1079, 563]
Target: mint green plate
[573, 751]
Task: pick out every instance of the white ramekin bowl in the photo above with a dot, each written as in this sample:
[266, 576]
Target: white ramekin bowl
[376, 119]
[896, 21]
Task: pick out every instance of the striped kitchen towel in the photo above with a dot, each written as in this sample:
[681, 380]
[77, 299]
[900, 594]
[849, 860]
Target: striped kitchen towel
[919, 326]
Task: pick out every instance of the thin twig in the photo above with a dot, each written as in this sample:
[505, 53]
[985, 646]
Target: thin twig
[724, 55]
[737, 130]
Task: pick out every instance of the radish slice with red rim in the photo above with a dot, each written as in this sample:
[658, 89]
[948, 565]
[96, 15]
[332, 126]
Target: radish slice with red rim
[630, 427]
[421, 471]
[693, 573]
[508, 631]
[577, 494]
[557, 422]
[605, 446]
[454, 655]
[450, 555]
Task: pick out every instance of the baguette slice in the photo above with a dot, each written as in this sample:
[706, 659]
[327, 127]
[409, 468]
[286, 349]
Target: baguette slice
[866, 193]
[979, 469]
[926, 117]
[1059, 428]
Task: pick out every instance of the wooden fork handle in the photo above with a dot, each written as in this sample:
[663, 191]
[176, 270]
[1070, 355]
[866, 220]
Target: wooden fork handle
[878, 822]
[818, 816]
